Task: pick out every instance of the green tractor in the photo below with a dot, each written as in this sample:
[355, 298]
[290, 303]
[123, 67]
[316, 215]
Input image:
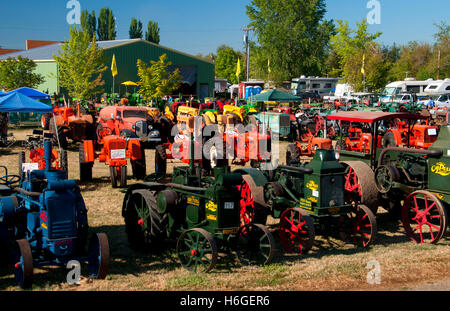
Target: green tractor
[421, 179]
[202, 214]
[305, 198]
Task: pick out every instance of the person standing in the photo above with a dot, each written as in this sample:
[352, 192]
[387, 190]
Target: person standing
[4, 120]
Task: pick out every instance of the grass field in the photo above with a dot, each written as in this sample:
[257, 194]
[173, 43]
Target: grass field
[331, 265]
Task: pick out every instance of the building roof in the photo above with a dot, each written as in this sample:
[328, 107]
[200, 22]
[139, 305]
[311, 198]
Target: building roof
[45, 53]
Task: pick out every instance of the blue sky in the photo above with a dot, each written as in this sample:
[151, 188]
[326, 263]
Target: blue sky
[200, 26]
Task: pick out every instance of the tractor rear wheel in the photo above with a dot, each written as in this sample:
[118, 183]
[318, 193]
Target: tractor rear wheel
[138, 166]
[255, 245]
[85, 167]
[424, 217]
[98, 256]
[144, 224]
[292, 155]
[45, 120]
[360, 187]
[160, 160]
[23, 264]
[358, 227]
[252, 197]
[296, 230]
[197, 250]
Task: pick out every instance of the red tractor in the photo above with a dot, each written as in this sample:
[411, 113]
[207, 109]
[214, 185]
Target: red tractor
[66, 123]
[35, 143]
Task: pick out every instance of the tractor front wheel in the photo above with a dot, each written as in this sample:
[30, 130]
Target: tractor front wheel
[23, 264]
[197, 250]
[296, 230]
[255, 245]
[424, 217]
[138, 166]
[98, 256]
[358, 227]
[118, 176]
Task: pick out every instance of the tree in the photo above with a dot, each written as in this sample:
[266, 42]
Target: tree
[226, 62]
[350, 48]
[89, 23]
[152, 33]
[16, 73]
[81, 65]
[135, 31]
[156, 81]
[292, 34]
[442, 48]
[413, 61]
[106, 26]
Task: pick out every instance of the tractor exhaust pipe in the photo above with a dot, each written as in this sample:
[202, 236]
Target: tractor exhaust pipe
[48, 154]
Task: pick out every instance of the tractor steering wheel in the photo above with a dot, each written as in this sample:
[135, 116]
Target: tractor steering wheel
[9, 179]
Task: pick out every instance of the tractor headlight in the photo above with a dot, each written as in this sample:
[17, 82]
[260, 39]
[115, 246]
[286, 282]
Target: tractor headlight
[150, 127]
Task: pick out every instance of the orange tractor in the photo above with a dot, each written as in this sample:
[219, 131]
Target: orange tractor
[402, 133]
[115, 150]
[66, 123]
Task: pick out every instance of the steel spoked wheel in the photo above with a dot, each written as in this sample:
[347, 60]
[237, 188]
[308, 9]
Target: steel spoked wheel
[98, 256]
[255, 245]
[424, 217]
[358, 227]
[23, 264]
[144, 225]
[197, 250]
[296, 230]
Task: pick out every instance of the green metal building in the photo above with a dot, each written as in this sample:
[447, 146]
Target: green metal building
[198, 74]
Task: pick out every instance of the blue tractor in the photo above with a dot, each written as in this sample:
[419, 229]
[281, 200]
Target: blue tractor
[43, 222]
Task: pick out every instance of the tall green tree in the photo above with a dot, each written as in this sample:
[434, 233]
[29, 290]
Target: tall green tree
[156, 80]
[226, 64]
[356, 49]
[292, 34]
[15, 73]
[89, 23]
[442, 48]
[81, 65]
[135, 31]
[152, 33]
[413, 61]
[106, 26]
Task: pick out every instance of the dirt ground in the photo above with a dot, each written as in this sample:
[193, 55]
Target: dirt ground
[330, 265]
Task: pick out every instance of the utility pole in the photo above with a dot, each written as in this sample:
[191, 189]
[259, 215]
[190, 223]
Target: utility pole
[247, 50]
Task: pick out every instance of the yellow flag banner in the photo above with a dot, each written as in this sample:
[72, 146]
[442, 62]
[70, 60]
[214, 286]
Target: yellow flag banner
[238, 69]
[114, 66]
[363, 71]
[268, 65]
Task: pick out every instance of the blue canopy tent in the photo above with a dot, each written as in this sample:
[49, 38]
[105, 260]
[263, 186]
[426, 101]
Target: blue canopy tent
[2, 93]
[32, 93]
[32, 118]
[17, 102]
